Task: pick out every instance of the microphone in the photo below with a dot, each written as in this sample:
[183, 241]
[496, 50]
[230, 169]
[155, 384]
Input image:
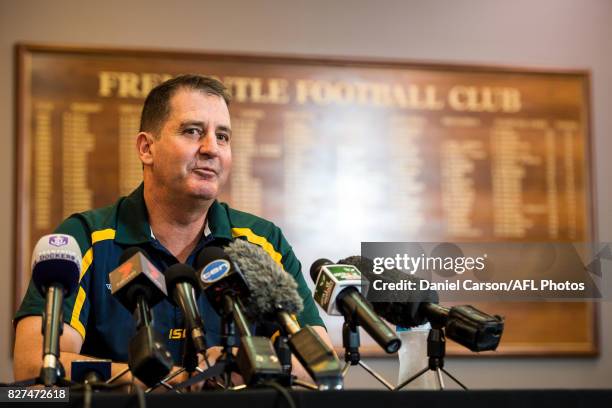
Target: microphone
[138, 285]
[274, 297]
[397, 307]
[184, 287]
[465, 324]
[338, 292]
[56, 267]
[224, 285]
[220, 276]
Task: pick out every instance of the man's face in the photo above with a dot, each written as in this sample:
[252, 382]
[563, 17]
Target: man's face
[192, 154]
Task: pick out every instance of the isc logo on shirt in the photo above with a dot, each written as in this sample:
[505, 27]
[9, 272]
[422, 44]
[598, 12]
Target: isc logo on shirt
[176, 334]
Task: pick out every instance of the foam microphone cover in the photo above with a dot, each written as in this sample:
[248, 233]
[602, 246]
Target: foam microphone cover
[56, 260]
[181, 273]
[272, 288]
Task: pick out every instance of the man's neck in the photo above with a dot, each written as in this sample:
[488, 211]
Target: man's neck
[177, 223]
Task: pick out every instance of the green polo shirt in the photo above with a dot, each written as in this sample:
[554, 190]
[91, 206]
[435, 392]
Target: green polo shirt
[103, 234]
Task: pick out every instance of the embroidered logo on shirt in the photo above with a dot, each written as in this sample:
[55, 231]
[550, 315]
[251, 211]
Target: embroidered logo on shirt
[176, 334]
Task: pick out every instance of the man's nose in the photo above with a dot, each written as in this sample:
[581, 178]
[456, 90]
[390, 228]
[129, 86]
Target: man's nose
[209, 145]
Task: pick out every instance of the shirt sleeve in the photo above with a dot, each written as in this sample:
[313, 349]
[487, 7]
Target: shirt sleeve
[75, 308]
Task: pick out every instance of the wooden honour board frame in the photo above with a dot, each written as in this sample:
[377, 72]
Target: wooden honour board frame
[527, 335]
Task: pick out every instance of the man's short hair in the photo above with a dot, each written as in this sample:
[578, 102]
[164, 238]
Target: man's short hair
[156, 107]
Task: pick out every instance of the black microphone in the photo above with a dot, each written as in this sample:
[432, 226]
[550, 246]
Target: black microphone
[274, 297]
[225, 285]
[184, 287]
[56, 266]
[398, 307]
[465, 324]
[138, 285]
[219, 276]
[338, 292]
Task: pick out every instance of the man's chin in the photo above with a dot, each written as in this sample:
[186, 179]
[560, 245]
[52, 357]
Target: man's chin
[205, 194]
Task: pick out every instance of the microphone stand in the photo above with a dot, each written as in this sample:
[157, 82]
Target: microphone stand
[228, 339]
[436, 350]
[283, 351]
[225, 365]
[190, 365]
[148, 359]
[256, 359]
[190, 357]
[351, 343]
[53, 325]
[52, 371]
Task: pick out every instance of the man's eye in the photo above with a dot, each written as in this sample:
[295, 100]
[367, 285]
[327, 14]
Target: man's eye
[223, 136]
[193, 131]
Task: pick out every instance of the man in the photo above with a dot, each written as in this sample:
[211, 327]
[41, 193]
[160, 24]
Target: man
[184, 145]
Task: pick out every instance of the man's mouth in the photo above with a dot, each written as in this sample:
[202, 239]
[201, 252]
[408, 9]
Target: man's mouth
[205, 171]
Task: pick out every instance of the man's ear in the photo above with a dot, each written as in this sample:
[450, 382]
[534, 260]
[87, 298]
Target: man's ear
[144, 144]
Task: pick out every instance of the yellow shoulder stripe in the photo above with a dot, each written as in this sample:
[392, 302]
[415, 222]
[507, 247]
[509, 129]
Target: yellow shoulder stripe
[76, 312]
[102, 235]
[96, 236]
[258, 240]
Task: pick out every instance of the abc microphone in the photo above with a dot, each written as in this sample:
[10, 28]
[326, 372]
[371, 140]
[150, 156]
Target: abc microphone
[338, 292]
[56, 266]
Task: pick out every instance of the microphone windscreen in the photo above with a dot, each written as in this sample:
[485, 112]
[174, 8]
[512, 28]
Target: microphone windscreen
[181, 273]
[271, 287]
[56, 260]
[316, 267]
[210, 254]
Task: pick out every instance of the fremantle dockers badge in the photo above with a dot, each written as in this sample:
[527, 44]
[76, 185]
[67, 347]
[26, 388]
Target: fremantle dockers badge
[58, 240]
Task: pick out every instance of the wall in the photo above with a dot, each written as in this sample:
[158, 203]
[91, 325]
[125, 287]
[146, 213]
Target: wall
[549, 33]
